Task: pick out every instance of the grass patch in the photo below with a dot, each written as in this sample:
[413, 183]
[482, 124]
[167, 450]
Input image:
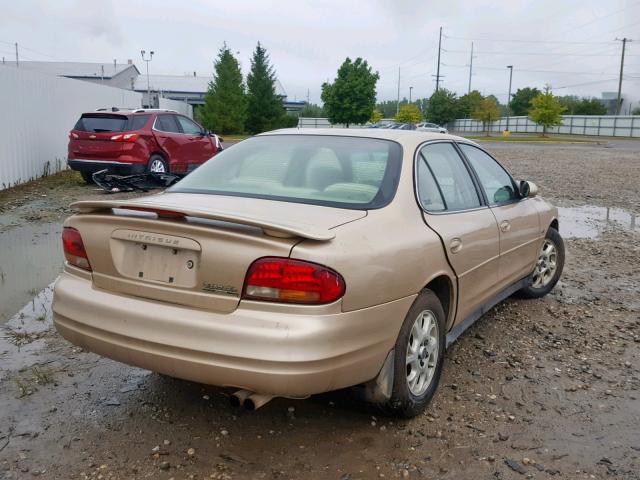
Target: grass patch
[20, 339]
[235, 138]
[40, 185]
[30, 378]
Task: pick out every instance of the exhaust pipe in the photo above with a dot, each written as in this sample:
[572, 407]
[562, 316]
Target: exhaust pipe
[239, 397]
[256, 400]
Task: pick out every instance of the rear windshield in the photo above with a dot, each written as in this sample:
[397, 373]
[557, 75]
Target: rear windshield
[110, 123]
[345, 172]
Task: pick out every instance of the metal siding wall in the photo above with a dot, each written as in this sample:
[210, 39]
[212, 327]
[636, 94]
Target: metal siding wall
[180, 107]
[592, 125]
[38, 112]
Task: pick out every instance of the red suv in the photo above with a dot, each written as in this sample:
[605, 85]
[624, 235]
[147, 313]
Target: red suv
[136, 141]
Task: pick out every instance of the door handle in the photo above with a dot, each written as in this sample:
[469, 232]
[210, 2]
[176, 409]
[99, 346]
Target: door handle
[505, 226]
[455, 245]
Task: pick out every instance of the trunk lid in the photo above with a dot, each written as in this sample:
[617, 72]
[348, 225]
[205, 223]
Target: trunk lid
[200, 256]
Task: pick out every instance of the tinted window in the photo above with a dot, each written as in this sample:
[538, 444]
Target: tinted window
[453, 181]
[167, 123]
[495, 181]
[345, 172]
[102, 123]
[138, 121]
[188, 126]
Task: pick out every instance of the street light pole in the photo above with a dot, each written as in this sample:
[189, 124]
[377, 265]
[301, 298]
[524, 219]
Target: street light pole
[147, 60]
[410, 88]
[510, 67]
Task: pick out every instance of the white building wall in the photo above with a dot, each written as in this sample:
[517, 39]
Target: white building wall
[38, 111]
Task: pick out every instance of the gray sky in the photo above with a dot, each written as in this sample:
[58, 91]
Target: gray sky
[566, 43]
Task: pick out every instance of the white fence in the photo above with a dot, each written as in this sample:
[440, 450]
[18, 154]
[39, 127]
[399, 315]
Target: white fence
[310, 122]
[180, 107]
[37, 113]
[606, 125]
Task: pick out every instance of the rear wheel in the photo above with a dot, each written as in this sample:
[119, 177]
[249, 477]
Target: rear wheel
[418, 357]
[87, 177]
[157, 164]
[548, 267]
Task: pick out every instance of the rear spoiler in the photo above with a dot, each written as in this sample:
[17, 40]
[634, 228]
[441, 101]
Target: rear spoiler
[278, 229]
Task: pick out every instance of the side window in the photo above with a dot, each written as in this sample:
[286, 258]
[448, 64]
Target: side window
[189, 127]
[495, 181]
[138, 121]
[167, 123]
[450, 187]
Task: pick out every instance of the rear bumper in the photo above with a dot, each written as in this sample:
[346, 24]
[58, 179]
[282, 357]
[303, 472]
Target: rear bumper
[118, 168]
[286, 353]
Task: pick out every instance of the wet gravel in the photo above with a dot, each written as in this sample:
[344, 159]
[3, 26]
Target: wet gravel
[536, 389]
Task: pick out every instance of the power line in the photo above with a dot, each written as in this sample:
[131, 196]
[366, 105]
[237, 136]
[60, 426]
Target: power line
[507, 40]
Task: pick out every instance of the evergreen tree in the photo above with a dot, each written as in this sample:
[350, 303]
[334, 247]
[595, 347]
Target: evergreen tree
[351, 98]
[264, 107]
[224, 110]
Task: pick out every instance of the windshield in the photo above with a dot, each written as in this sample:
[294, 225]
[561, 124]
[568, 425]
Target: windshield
[346, 172]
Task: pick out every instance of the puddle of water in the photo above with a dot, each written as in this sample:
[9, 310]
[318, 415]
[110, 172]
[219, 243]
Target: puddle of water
[589, 221]
[30, 258]
[20, 336]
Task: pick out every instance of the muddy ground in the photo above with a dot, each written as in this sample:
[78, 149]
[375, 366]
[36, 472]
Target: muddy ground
[544, 388]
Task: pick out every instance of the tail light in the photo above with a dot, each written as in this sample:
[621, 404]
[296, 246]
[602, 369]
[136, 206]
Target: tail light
[125, 137]
[74, 248]
[275, 279]
[73, 135]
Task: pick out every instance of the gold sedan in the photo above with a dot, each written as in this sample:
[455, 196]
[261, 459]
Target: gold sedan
[303, 261]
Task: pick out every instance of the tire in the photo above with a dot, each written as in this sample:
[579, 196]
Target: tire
[409, 400]
[157, 164]
[552, 250]
[87, 177]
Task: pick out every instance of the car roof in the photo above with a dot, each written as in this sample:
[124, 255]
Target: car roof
[400, 136]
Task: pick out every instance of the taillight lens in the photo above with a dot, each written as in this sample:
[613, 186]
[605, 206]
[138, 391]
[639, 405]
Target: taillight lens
[275, 279]
[74, 248]
[125, 137]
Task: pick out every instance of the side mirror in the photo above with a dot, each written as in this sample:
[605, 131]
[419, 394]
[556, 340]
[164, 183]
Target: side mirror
[205, 133]
[527, 189]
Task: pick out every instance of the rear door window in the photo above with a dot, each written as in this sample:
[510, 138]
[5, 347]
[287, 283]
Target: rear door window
[167, 123]
[102, 123]
[454, 187]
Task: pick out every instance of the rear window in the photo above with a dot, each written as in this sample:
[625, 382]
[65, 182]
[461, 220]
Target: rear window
[345, 172]
[110, 123]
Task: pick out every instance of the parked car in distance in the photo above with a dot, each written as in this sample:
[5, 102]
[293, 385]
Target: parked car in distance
[430, 127]
[303, 261]
[136, 141]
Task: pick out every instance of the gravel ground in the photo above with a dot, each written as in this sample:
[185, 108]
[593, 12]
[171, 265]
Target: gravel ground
[543, 388]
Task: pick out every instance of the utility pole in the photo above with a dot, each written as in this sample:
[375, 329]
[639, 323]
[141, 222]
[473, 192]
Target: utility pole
[510, 67]
[470, 68]
[624, 45]
[438, 70]
[17, 60]
[307, 96]
[147, 60]
[410, 88]
[398, 101]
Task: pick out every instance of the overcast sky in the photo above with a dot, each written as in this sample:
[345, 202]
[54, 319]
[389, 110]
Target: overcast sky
[569, 44]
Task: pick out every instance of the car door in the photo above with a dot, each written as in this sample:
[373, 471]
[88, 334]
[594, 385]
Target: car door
[517, 218]
[169, 136]
[199, 148]
[454, 209]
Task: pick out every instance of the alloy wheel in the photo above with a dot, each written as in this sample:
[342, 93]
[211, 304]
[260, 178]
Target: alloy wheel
[422, 352]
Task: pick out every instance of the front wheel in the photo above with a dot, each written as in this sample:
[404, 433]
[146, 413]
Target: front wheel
[418, 357]
[549, 265]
